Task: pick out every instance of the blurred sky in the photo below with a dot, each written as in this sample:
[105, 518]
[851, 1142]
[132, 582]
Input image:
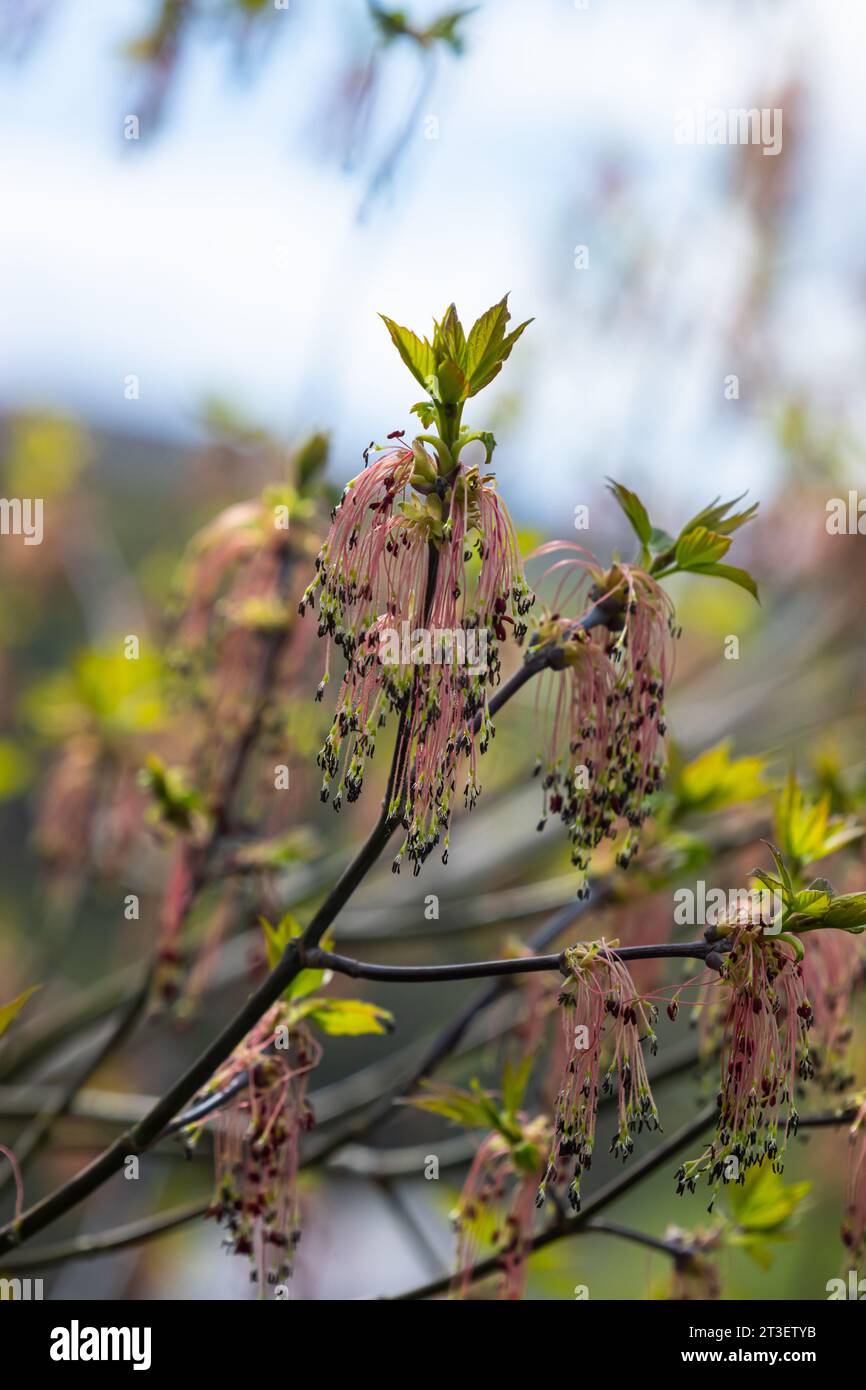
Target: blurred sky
[224, 254]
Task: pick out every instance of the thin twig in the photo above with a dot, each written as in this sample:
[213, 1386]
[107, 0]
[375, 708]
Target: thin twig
[677, 1249]
[106, 1242]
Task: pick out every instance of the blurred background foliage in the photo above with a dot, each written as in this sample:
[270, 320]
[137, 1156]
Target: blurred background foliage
[703, 263]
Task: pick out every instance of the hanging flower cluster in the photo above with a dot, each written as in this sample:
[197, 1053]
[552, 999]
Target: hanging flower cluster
[416, 583]
[604, 723]
[497, 1207]
[239, 645]
[257, 1138]
[236, 627]
[612, 631]
[766, 1017]
[604, 1022]
[258, 1100]
[101, 714]
[830, 970]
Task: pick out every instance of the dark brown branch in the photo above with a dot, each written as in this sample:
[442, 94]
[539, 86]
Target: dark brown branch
[677, 1249]
[486, 969]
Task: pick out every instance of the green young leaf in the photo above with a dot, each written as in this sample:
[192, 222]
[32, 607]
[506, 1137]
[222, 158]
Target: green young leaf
[416, 352]
[482, 377]
[488, 346]
[781, 869]
[426, 412]
[763, 1202]
[634, 510]
[9, 1011]
[714, 780]
[391, 24]
[445, 29]
[847, 912]
[715, 518]
[805, 829]
[800, 825]
[453, 386]
[822, 885]
[103, 690]
[488, 439]
[349, 1017]
[449, 340]
[774, 885]
[514, 1082]
[461, 1107]
[700, 547]
[175, 802]
[810, 902]
[841, 833]
[277, 938]
[740, 577]
[487, 331]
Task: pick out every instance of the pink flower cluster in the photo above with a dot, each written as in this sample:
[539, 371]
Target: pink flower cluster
[257, 1139]
[441, 556]
[604, 1022]
[765, 1049]
[830, 972]
[604, 724]
[498, 1205]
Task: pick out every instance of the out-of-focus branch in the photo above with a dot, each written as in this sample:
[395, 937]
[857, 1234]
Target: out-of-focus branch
[574, 1225]
[38, 1131]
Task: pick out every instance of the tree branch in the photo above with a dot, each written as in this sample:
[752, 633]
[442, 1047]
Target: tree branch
[38, 1130]
[106, 1242]
[677, 1249]
[486, 969]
